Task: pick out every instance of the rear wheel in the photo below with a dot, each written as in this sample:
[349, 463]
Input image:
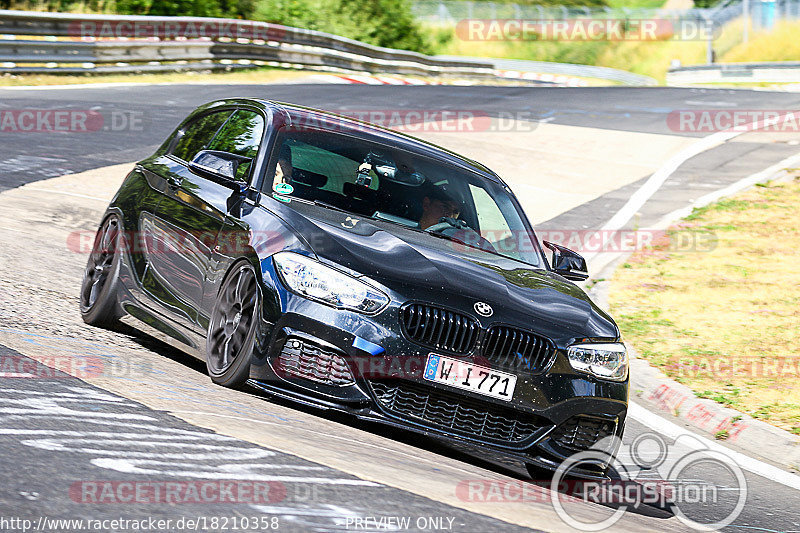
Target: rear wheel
[98, 303]
[232, 330]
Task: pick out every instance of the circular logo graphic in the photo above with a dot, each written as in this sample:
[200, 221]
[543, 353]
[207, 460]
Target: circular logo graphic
[283, 188]
[703, 488]
[483, 309]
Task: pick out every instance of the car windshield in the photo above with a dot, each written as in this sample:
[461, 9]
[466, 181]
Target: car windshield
[334, 170]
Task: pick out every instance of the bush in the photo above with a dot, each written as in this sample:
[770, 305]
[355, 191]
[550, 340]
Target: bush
[386, 23]
[192, 8]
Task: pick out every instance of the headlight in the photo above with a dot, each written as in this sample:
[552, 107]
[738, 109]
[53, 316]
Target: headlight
[310, 278]
[607, 361]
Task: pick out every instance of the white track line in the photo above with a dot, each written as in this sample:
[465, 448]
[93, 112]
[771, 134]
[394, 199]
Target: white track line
[598, 266]
[657, 179]
[733, 188]
[673, 431]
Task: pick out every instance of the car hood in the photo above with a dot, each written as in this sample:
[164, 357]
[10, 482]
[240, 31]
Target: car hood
[417, 266]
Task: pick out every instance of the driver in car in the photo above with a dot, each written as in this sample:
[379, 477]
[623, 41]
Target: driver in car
[437, 204]
[283, 170]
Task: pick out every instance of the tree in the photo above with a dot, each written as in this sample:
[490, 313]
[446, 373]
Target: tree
[386, 23]
[195, 8]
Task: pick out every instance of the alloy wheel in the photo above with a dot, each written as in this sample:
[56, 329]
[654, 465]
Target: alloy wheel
[101, 263]
[232, 320]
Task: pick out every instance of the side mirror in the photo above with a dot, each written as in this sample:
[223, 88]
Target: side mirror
[221, 166]
[567, 263]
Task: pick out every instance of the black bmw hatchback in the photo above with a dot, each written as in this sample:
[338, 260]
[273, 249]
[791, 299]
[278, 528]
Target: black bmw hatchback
[339, 264]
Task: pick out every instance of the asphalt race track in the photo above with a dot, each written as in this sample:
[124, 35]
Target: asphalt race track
[159, 419]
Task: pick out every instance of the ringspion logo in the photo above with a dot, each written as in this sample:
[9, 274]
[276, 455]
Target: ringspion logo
[651, 471]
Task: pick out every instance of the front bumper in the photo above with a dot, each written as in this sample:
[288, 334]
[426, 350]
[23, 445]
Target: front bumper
[551, 416]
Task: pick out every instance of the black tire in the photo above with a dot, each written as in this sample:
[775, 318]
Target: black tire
[98, 299]
[232, 328]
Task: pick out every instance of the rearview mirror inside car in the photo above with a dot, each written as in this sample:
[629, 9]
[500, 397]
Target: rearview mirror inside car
[567, 263]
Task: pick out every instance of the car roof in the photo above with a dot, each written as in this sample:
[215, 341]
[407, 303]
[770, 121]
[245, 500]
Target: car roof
[325, 121]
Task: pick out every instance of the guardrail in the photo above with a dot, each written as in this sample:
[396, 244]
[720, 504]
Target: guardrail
[195, 42]
[570, 69]
[766, 72]
[69, 43]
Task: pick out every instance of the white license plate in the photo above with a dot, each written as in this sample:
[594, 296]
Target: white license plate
[468, 376]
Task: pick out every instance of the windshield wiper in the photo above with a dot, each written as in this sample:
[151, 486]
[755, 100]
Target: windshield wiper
[459, 241]
[326, 205]
[448, 238]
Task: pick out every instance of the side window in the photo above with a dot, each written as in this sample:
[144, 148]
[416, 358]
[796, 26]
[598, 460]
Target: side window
[316, 165]
[337, 168]
[494, 227]
[198, 134]
[241, 135]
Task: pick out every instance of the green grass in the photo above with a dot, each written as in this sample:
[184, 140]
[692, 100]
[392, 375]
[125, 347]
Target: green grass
[723, 321]
[779, 44]
[646, 58]
[729, 399]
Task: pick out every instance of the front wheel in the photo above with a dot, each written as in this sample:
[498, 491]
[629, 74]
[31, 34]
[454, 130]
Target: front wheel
[232, 330]
[98, 301]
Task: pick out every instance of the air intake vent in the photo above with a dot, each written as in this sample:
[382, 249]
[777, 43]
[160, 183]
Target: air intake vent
[439, 328]
[515, 349]
[454, 412]
[300, 359]
[580, 433]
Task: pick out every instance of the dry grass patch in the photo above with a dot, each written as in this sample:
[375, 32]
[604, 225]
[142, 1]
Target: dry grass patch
[725, 322]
